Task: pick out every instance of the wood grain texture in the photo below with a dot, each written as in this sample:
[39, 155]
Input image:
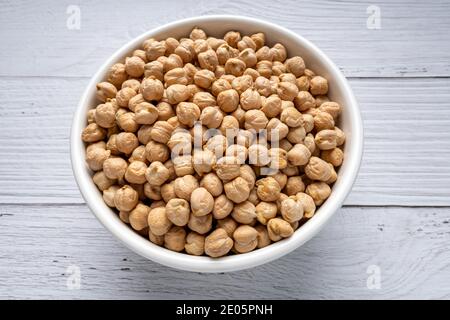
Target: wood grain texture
[413, 39]
[407, 141]
[39, 243]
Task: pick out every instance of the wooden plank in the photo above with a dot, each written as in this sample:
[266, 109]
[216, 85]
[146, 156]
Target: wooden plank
[39, 243]
[413, 39]
[407, 141]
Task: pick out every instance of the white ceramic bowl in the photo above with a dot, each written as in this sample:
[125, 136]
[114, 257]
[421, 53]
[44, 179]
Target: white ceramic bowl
[217, 26]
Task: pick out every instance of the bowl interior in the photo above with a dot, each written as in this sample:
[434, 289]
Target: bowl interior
[217, 26]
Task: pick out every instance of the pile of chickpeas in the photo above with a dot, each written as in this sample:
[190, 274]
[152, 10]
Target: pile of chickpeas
[213, 146]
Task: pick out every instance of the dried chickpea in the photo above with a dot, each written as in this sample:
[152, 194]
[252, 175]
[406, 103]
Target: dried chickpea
[302, 83]
[138, 217]
[266, 211]
[134, 66]
[152, 192]
[244, 213]
[291, 210]
[263, 236]
[309, 207]
[158, 222]
[245, 239]
[319, 191]
[204, 99]
[168, 191]
[279, 229]
[299, 155]
[126, 142]
[322, 121]
[287, 91]
[161, 131]
[156, 151]
[188, 113]
[340, 136]
[334, 156]
[317, 169]
[276, 130]
[318, 85]
[145, 113]
[183, 165]
[250, 99]
[227, 168]
[202, 202]
[109, 194]
[295, 65]
[294, 185]
[96, 154]
[175, 239]
[195, 244]
[203, 161]
[175, 76]
[117, 74]
[102, 181]
[268, 189]
[229, 125]
[255, 119]
[218, 243]
[135, 172]
[184, 186]
[237, 190]
[278, 158]
[105, 91]
[279, 52]
[222, 207]
[211, 117]
[326, 139]
[235, 66]
[126, 198]
[212, 183]
[271, 106]
[228, 100]
[127, 121]
[201, 224]
[178, 211]
[105, 115]
[158, 240]
[115, 168]
[291, 117]
[151, 89]
[333, 108]
[296, 135]
[304, 101]
[93, 133]
[258, 155]
[156, 174]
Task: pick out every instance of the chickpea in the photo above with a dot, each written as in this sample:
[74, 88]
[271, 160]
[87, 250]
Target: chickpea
[201, 224]
[291, 117]
[178, 211]
[158, 222]
[204, 99]
[317, 169]
[105, 91]
[323, 121]
[326, 139]
[250, 99]
[228, 100]
[276, 130]
[212, 183]
[175, 239]
[294, 185]
[258, 155]
[319, 191]
[279, 52]
[218, 243]
[291, 210]
[218, 144]
[287, 91]
[156, 151]
[340, 137]
[333, 108]
[279, 69]
[105, 115]
[235, 66]
[151, 89]
[188, 113]
[195, 244]
[222, 207]
[220, 85]
[296, 135]
[177, 93]
[299, 155]
[135, 172]
[126, 142]
[126, 198]
[279, 229]
[266, 211]
[127, 121]
[154, 69]
[138, 217]
[156, 174]
[302, 83]
[263, 236]
[152, 192]
[93, 133]
[271, 106]
[268, 189]
[309, 207]
[334, 156]
[115, 168]
[318, 85]
[117, 74]
[229, 125]
[245, 239]
[227, 168]
[202, 202]
[295, 65]
[168, 191]
[183, 165]
[172, 62]
[304, 101]
[102, 181]
[237, 190]
[308, 122]
[176, 76]
[109, 194]
[184, 186]
[281, 179]
[211, 117]
[158, 240]
[162, 131]
[204, 78]
[96, 154]
[244, 213]
[146, 113]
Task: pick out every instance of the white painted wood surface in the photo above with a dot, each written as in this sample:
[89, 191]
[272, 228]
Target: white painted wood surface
[397, 216]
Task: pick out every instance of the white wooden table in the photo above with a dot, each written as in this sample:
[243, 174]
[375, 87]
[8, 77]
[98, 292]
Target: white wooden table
[395, 225]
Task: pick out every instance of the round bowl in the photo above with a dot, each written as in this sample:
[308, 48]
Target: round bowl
[315, 59]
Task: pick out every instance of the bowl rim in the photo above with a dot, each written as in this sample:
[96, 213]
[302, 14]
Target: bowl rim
[187, 262]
